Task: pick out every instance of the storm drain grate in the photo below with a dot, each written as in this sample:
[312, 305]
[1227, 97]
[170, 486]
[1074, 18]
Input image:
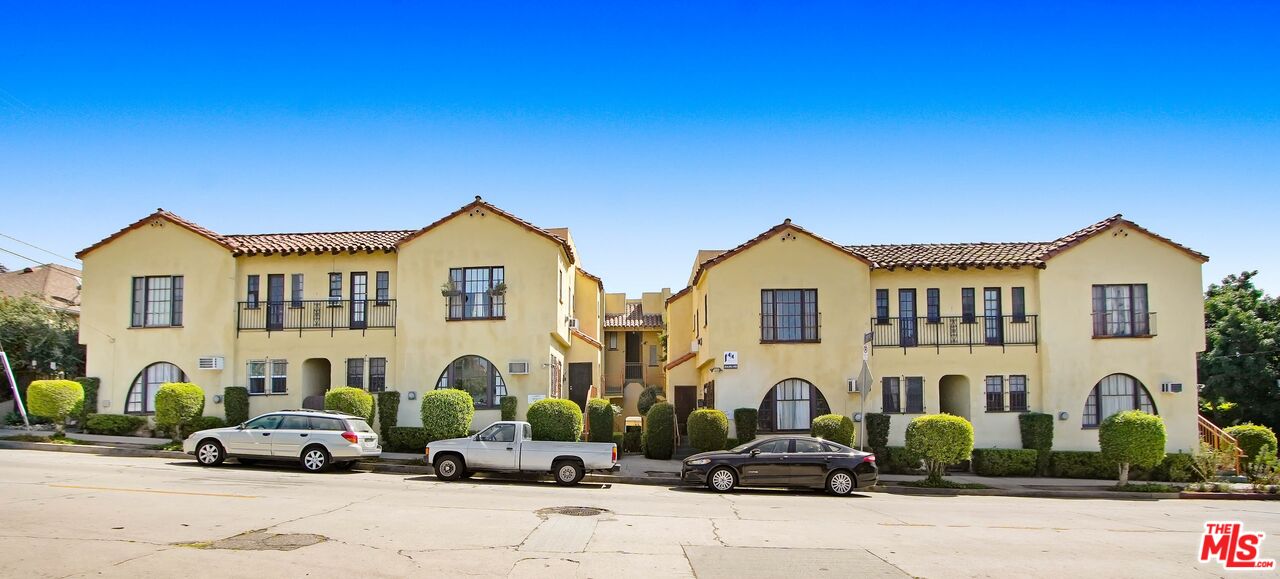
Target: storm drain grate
[573, 511]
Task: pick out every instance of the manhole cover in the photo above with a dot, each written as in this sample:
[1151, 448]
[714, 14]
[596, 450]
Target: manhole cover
[572, 511]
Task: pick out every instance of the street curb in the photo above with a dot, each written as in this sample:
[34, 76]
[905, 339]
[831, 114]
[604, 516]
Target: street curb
[1032, 493]
[92, 449]
[1230, 496]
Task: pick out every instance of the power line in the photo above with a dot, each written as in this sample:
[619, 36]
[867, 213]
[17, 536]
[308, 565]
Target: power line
[62, 257]
[35, 261]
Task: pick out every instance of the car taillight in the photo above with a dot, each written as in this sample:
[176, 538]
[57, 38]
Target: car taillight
[869, 458]
[351, 437]
[615, 453]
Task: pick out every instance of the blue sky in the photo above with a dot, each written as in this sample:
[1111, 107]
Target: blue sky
[650, 129]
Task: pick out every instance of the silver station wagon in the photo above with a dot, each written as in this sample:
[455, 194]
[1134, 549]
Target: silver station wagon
[315, 439]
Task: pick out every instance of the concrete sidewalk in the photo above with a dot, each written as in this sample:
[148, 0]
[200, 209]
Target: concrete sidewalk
[99, 438]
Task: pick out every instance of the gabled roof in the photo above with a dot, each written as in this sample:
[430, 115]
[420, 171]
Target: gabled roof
[591, 277]
[679, 294]
[772, 231]
[170, 217]
[1076, 237]
[56, 285]
[594, 343]
[633, 317]
[268, 243]
[480, 206]
[682, 359]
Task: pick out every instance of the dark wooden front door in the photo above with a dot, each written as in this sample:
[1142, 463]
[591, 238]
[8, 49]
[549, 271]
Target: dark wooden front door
[579, 382]
[686, 403]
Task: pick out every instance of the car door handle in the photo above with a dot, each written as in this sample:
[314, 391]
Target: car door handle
[511, 448]
[303, 435]
[266, 434]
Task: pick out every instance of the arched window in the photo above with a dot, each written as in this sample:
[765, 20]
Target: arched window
[792, 404]
[1113, 394]
[478, 377]
[142, 395]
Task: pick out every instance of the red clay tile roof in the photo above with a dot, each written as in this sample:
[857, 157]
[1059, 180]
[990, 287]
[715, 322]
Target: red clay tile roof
[679, 294]
[1070, 240]
[680, 360]
[786, 224]
[160, 214]
[588, 339]
[634, 317]
[479, 206]
[286, 243]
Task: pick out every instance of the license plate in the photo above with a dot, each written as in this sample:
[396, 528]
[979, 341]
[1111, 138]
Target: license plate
[369, 444]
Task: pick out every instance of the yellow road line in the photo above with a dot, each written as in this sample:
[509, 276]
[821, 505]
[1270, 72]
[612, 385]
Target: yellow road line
[88, 488]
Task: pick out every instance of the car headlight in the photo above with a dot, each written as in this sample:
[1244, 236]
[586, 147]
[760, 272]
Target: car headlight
[697, 461]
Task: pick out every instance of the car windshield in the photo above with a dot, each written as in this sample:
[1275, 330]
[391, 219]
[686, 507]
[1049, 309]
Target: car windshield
[741, 448]
[358, 425]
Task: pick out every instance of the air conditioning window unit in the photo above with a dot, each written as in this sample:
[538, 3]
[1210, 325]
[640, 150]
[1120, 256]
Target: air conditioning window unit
[521, 367]
[693, 347]
[573, 323]
[853, 385]
[1173, 387]
[210, 363]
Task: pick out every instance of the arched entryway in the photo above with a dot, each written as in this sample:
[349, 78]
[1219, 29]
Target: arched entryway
[316, 376]
[953, 395]
[790, 406]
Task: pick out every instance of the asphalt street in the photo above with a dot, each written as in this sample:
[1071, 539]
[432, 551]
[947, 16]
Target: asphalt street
[80, 515]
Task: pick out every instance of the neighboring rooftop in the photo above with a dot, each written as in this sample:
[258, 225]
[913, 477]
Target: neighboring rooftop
[56, 285]
[633, 317]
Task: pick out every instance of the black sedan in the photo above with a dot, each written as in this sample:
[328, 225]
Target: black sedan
[786, 461]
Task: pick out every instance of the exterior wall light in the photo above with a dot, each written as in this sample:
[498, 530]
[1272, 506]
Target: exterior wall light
[217, 399]
[412, 395]
[1063, 415]
[857, 417]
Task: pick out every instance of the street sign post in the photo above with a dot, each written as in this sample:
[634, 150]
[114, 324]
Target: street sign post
[13, 385]
[864, 389]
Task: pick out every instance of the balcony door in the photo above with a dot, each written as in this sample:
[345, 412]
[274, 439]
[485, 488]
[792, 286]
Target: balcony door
[993, 316]
[907, 317]
[634, 367]
[275, 301]
[359, 298]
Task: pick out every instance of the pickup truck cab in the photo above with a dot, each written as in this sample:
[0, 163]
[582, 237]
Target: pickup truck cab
[509, 447]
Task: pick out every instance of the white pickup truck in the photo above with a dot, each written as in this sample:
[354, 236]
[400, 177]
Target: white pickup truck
[509, 447]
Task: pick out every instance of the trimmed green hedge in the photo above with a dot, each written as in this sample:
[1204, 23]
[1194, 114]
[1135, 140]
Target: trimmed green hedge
[55, 399]
[113, 424]
[178, 403]
[618, 439]
[1005, 461]
[388, 413]
[1175, 467]
[708, 429]
[648, 397]
[555, 419]
[201, 423]
[877, 431]
[350, 400]
[600, 411]
[1132, 438]
[235, 402]
[659, 432]
[834, 427]
[1037, 434]
[631, 440]
[731, 443]
[898, 460]
[507, 406]
[406, 439]
[90, 403]
[745, 422]
[1251, 438]
[940, 439]
[447, 413]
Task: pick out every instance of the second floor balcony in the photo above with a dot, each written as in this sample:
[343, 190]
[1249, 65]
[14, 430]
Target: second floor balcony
[304, 315]
[948, 331]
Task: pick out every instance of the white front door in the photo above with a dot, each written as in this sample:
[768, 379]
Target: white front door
[495, 448]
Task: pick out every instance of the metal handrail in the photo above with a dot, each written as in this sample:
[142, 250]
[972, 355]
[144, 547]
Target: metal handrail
[940, 331]
[302, 315]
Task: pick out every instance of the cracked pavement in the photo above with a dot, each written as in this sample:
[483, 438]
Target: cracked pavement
[80, 515]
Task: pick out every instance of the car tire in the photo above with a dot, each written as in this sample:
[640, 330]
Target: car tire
[722, 479]
[210, 453]
[315, 459]
[841, 483]
[449, 468]
[567, 472]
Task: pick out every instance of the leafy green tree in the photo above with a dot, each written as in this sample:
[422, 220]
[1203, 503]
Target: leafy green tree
[41, 342]
[1241, 363]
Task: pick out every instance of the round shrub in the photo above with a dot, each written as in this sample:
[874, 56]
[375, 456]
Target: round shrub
[745, 422]
[877, 426]
[834, 427]
[349, 400]
[708, 429]
[659, 434]
[446, 413]
[555, 419]
[648, 397]
[178, 403]
[1251, 438]
[113, 424]
[55, 399]
[600, 413]
[940, 440]
[236, 402]
[201, 423]
[508, 407]
[1132, 438]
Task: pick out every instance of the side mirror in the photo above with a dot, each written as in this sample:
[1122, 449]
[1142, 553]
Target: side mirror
[241, 427]
[755, 451]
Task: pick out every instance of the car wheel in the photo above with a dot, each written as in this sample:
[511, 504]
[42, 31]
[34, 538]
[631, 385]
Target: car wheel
[316, 459]
[568, 473]
[722, 480]
[210, 453]
[449, 468]
[841, 483]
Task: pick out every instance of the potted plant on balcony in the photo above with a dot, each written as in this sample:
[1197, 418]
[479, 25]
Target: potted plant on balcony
[499, 290]
[448, 290]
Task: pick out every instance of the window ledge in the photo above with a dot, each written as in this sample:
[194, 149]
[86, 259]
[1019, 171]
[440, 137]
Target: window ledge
[489, 319]
[1122, 337]
[153, 327]
[818, 341]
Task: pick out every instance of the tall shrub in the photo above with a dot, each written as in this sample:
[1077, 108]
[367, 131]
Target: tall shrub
[940, 439]
[90, 404]
[1132, 438]
[349, 400]
[55, 400]
[508, 407]
[877, 431]
[235, 402]
[555, 419]
[177, 404]
[658, 438]
[447, 413]
[388, 413]
[648, 397]
[600, 414]
[834, 427]
[1037, 435]
[708, 429]
[1252, 439]
[745, 422]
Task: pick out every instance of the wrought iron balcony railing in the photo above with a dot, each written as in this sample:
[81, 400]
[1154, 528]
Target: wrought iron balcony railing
[306, 315]
[947, 331]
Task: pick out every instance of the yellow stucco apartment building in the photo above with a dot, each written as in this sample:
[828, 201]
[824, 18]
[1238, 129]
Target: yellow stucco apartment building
[484, 300]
